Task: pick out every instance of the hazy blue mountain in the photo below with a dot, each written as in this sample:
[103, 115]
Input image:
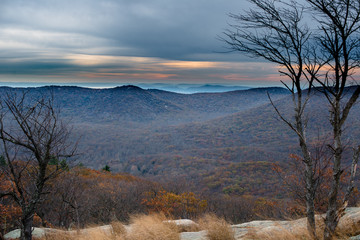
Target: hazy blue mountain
[192, 88]
[166, 134]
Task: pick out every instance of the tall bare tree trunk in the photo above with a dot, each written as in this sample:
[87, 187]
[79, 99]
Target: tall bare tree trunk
[332, 217]
[26, 225]
[309, 176]
[310, 196]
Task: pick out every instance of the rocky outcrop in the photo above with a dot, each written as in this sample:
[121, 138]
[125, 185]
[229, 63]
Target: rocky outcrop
[348, 225]
[185, 225]
[37, 232]
[193, 235]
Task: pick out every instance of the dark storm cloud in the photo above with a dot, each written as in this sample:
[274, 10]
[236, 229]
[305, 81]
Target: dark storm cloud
[158, 28]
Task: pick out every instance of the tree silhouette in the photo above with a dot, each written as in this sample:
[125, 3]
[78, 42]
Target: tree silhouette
[31, 135]
[323, 57]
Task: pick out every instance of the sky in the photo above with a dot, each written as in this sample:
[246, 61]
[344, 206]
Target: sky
[114, 42]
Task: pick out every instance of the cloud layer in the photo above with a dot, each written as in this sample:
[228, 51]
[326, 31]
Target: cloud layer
[121, 41]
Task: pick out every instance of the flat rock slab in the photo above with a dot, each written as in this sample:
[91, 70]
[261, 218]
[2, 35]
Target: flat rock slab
[185, 225]
[193, 235]
[37, 232]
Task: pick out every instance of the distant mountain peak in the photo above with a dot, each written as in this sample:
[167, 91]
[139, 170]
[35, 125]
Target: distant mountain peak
[129, 87]
[269, 90]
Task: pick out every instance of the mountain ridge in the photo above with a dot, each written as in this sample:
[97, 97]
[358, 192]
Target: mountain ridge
[207, 137]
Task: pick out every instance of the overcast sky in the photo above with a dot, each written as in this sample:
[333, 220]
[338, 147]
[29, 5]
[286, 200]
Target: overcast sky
[123, 41]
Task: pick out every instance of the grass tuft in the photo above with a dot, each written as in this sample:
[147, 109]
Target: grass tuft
[217, 228]
[152, 227]
[279, 234]
[118, 229]
[57, 236]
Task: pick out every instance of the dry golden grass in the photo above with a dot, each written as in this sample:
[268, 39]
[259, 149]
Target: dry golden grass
[57, 236]
[344, 231]
[82, 236]
[152, 227]
[143, 227]
[278, 234]
[348, 227]
[192, 228]
[156, 227]
[286, 235]
[217, 228]
[94, 233]
[118, 228]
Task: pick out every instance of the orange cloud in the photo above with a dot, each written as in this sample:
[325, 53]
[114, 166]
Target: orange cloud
[93, 60]
[127, 75]
[189, 64]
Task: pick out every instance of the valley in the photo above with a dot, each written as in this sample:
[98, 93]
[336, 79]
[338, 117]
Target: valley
[218, 142]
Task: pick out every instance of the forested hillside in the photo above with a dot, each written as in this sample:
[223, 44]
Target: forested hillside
[223, 142]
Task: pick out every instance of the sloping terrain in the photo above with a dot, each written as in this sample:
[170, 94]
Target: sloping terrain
[130, 104]
[225, 141]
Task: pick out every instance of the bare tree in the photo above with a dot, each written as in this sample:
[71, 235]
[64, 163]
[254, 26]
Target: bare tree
[339, 40]
[326, 58]
[275, 31]
[32, 137]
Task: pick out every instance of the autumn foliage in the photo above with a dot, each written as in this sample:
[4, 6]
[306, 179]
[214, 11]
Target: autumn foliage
[294, 184]
[9, 212]
[184, 205]
[81, 196]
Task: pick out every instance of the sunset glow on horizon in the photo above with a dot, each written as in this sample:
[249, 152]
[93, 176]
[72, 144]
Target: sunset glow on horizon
[116, 42]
